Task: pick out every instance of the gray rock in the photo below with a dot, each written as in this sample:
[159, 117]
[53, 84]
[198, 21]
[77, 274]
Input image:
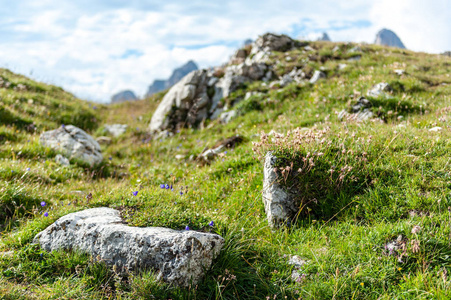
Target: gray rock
[176, 76]
[182, 103]
[316, 76]
[361, 104]
[103, 140]
[355, 58]
[59, 159]
[73, 142]
[123, 97]
[227, 116]
[279, 205]
[387, 37]
[355, 49]
[178, 257]
[116, 129]
[380, 89]
[360, 116]
[275, 42]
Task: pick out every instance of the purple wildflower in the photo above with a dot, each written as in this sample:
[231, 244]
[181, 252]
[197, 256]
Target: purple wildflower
[43, 203]
[110, 158]
[181, 193]
[167, 186]
[46, 214]
[187, 227]
[211, 224]
[162, 186]
[135, 193]
[28, 169]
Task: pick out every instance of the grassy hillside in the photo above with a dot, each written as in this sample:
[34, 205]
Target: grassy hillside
[361, 185]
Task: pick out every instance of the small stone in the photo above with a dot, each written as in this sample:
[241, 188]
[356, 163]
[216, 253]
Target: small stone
[316, 76]
[74, 143]
[116, 129]
[435, 129]
[62, 160]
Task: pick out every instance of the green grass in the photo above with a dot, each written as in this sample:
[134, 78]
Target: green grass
[367, 184]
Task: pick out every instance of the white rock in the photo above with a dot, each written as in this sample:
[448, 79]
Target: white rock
[316, 76]
[342, 66]
[180, 156]
[74, 143]
[380, 89]
[62, 160]
[355, 58]
[187, 96]
[227, 116]
[279, 206]
[116, 129]
[434, 129]
[399, 72]
[178, 257]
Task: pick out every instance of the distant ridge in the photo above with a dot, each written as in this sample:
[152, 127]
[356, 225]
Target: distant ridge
[160, 85]
[387, 37]
[123, 96]
[325, 37]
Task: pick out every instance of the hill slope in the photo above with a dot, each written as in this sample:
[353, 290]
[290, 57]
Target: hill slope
[373, 195]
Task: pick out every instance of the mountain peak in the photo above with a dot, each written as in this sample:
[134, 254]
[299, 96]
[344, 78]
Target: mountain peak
[387, 37]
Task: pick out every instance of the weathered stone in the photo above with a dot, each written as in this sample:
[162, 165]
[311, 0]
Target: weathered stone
[316, 76]
[227, 116]
[361, 104]
[103, 140]
[380, 89]
[116, 129]
[279, 205]
[182, 103]
[74, 143]
[59, 159]
[178, 257]
[275, 42]
[355, 58]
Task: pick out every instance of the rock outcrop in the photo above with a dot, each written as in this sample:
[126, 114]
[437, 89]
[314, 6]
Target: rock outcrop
[387, 37]
[73, 142]
[279, 205]
[123, 96]
[176, 76]
[186, 103]
[197, 96]
[179, 257]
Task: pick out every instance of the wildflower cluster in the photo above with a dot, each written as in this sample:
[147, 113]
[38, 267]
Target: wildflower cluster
[318, 163]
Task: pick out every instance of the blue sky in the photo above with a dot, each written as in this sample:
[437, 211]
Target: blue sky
[97, 48]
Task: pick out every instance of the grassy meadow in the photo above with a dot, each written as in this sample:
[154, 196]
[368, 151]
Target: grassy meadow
[360, 185]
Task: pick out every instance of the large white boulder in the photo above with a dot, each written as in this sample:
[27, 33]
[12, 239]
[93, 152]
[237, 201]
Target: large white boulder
[279, 205]
[73, 142]
[178, 257]
[185, 103]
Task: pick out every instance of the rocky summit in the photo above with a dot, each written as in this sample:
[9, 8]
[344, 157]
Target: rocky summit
[387, 37]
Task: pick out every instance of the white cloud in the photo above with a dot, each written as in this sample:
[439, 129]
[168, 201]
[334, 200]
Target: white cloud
[81, 47]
